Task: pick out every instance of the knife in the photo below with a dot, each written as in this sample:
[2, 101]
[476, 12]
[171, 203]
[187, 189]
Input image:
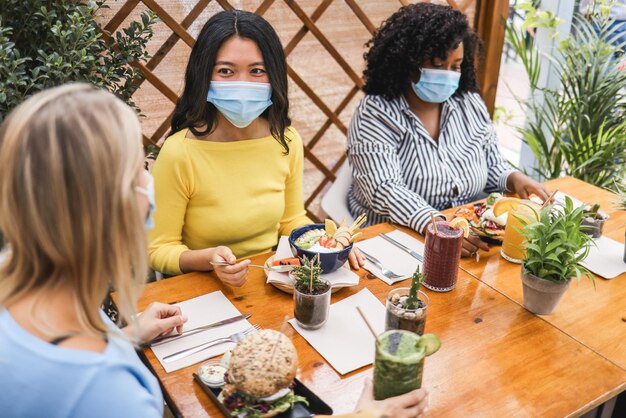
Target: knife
[403, 247]
[168, 338]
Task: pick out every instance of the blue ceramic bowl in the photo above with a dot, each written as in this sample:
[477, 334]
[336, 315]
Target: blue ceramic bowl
[330, 261]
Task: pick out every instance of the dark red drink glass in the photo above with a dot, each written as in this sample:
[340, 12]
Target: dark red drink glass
[442, 254]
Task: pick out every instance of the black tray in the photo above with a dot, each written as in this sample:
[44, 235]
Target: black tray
[300, 410]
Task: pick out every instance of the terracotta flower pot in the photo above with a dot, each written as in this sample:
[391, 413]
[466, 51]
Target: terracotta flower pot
[540, 295]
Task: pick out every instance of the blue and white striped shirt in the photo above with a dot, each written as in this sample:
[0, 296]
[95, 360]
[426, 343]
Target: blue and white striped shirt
[401, 174]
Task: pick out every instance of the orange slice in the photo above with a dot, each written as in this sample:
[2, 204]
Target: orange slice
[506, 204]
[462, 224]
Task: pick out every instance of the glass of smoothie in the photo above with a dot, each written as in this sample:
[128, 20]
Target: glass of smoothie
[442, 254]
[399, 361]
[400, 317]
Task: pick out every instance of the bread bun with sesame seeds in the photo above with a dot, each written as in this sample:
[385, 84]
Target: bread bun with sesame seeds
[261, 369]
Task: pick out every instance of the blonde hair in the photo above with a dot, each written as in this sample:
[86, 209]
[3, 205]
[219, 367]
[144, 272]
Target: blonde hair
[69, 157]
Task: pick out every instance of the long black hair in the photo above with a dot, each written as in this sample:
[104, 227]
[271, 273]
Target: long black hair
[193, 111]
[412, 37]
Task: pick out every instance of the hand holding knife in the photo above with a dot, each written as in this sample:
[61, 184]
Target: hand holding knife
[167, 338]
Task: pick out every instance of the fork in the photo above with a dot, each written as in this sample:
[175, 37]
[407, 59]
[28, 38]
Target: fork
[385, 271]
[235, 338]
[279, 269]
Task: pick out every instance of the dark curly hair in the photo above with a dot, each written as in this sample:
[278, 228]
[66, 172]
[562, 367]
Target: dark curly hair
[413, 36]
[193, 111]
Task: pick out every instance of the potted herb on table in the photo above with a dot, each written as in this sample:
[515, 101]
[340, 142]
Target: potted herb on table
[555, 245]
[311, 294]
[593, 220]
[406, 307]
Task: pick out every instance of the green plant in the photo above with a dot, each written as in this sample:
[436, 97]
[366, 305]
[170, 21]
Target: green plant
[48, 43]
[307, 276]
[620, 191]
[592, 211]
[555, 244]
[412, 302]
[577, 128]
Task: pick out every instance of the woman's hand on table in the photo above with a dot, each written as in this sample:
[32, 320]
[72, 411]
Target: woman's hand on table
[410, 405]
[233, 275]
[357, 260]
[156, 320]
[524, 186]
[471, 245]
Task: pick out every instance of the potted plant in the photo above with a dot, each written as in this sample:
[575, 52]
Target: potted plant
[575, 125]
[555, 245]
[311, 294]
[593, 220]
[406, 307]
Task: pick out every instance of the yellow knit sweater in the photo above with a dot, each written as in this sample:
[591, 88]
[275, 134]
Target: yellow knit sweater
[240, 194]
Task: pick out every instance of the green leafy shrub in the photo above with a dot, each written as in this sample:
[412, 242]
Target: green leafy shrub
[578, 128]
[48, 43]
[555, 244]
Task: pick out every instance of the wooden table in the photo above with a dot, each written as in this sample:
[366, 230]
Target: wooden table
[497, 359]
[594, 317]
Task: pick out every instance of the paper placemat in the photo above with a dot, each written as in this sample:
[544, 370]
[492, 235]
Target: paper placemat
[392, 257]
[202, 310]
[345, 341]
[342, 277]
[606, 258]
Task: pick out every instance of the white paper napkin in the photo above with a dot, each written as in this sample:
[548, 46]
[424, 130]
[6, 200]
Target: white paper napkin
[203, 310]
[606, 258]
[344, 340]
[392, 257]
[342, 277]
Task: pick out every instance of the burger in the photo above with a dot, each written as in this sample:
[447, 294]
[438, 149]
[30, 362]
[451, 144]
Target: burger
[260, 376]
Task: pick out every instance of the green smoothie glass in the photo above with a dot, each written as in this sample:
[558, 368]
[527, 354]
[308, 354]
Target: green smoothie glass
[399, 361]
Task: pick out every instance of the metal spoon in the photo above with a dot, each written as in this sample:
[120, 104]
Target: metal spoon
[279, 269]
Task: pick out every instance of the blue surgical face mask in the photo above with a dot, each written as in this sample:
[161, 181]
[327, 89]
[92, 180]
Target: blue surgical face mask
[148, 191]
[241, 102]
[436, 86]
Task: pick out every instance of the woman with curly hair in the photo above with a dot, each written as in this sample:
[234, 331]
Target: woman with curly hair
[421, 139]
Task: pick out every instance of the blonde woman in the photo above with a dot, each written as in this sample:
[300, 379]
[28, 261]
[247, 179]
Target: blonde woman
[75, 201]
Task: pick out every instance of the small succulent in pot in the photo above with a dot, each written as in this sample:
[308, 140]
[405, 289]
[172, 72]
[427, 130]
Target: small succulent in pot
[406, 307]
[593, 220]
[311, 294]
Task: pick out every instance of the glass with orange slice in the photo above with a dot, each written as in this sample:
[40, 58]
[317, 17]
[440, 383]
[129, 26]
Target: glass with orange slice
[518, 209]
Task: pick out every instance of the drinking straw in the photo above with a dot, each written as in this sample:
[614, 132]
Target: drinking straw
[432, 218]
[358, 308]
[548, 200]
[282, 330]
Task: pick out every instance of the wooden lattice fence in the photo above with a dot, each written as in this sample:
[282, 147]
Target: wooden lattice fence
[324, 43]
